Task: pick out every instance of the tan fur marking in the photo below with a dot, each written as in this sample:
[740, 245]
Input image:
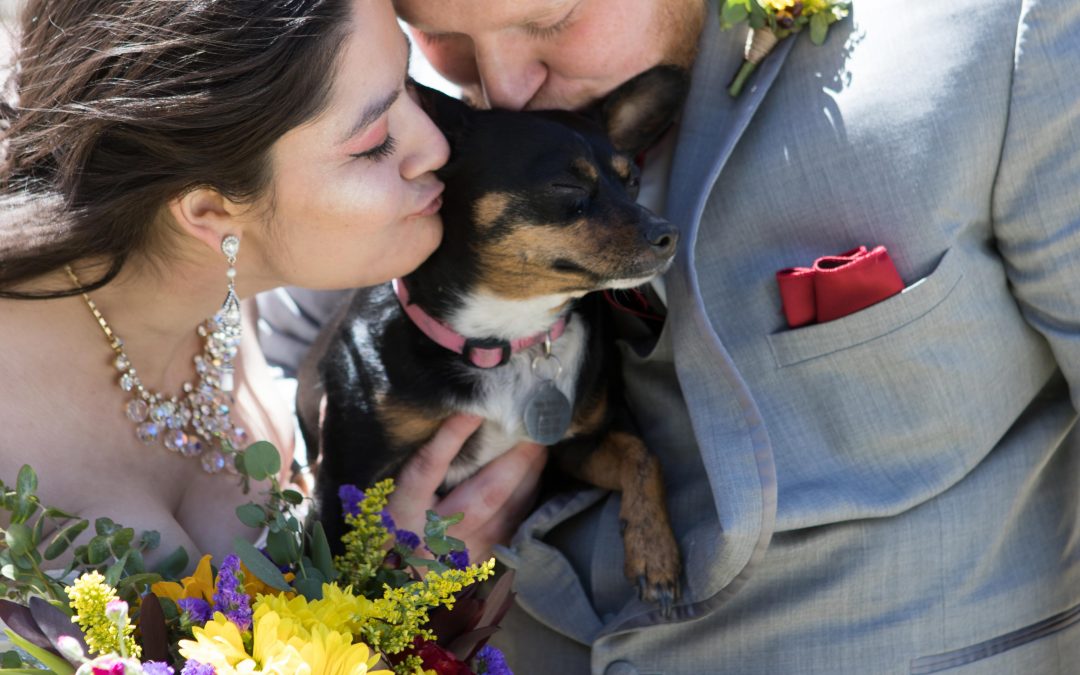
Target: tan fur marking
[586, 168]
[621, 165]
[407, 425]
[589, 417]
[489, 208]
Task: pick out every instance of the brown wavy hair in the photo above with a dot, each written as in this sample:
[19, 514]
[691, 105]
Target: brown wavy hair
[115, 107]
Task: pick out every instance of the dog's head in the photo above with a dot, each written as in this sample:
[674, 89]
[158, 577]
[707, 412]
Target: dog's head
[542, 203]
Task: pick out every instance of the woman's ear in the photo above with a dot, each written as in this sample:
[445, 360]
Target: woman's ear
[207, 215]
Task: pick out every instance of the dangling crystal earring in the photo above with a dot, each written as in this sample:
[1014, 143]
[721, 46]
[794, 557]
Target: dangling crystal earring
[230, 309]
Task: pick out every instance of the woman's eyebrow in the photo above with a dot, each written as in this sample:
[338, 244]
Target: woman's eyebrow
[377, 109]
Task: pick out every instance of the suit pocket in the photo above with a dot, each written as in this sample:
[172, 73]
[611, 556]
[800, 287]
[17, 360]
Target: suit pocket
[1024, 637]
[916, 300]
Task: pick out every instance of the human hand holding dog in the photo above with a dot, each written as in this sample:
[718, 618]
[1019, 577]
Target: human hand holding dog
[494, 500]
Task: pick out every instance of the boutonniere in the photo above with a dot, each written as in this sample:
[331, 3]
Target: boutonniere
[773, 20]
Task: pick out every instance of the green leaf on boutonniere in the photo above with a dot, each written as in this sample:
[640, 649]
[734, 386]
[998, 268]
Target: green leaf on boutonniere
[734, 12]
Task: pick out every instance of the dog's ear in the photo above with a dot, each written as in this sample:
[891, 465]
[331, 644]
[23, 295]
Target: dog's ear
[641, 109]
[448, 113]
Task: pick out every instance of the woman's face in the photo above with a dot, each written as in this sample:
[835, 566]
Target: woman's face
[354, 201]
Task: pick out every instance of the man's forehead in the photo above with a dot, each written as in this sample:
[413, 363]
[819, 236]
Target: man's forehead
[478, 15]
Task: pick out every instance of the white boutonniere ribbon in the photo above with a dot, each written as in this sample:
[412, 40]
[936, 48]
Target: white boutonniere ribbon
[773, 20]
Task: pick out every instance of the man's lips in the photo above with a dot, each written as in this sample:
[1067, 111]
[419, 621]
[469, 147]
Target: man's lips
[433, 203]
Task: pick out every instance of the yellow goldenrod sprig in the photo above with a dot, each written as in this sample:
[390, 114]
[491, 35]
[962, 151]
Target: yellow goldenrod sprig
[102, 616]
[400, 615]
[366, 541]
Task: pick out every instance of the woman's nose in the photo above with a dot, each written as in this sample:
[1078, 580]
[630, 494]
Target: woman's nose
[429, 150]
[510, 73]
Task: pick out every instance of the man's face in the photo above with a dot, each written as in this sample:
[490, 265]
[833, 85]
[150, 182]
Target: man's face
[542, 54]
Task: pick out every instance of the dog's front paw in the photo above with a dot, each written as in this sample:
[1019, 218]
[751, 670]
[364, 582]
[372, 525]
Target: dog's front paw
[652, 556]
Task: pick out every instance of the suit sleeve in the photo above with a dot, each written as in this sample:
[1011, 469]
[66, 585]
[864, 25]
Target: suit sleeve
[1036, 202]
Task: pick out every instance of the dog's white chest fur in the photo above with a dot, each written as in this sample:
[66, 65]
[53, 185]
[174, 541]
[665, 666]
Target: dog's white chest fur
[507, 390]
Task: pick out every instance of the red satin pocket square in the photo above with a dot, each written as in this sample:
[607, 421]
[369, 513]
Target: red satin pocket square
[837, 285]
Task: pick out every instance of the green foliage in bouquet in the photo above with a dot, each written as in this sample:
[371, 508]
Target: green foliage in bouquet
[96, 607]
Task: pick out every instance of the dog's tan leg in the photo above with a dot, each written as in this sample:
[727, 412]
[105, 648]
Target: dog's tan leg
[622, 462]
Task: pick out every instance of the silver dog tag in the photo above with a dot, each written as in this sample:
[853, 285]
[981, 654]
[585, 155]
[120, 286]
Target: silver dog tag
[547, 415]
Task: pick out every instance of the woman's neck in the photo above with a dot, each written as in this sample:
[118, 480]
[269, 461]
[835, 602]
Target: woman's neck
[155, 312]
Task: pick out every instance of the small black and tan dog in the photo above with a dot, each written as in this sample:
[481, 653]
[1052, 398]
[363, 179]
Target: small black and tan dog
[538, 211]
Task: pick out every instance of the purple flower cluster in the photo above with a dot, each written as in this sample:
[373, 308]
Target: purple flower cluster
[229, 596]
[350, 497]
[197, 609]
[157, 668]
[490, 661]
[406, 539]
[457, 559]
[196, 668]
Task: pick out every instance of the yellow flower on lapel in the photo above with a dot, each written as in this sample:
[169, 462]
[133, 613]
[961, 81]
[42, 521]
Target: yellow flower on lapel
[773, 20]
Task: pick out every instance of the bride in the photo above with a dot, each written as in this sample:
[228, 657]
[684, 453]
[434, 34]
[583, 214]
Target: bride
[160, 160]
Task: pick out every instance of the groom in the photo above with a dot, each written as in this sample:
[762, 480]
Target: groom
[891, 488]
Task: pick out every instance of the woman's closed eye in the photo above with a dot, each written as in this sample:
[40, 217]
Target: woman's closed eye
[380, 151]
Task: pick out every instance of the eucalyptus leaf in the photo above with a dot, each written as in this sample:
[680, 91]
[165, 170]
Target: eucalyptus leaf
[311, 586]
[39, 530]
[136, 563]
[292, 497]
[259, 565]
[149, 540]
[8, 571]
[115, 570]
[24, 508]
[261, 460]
[320, 552]
[19, 539]
[121, 539]
[97, 551]
[27, 482]
[10, 659]
[173, 565]
[53, 512]
[438, 546]
[252, 515]
[282, 547]
[104, 526]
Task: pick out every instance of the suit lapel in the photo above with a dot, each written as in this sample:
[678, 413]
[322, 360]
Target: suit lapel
[713, 122]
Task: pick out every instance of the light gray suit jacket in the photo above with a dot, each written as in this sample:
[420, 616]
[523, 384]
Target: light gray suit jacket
[895, 491]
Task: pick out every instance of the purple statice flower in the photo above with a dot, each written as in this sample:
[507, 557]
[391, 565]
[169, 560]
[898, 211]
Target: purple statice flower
[229, 596]
[490, 661]
[457, 559]
[407, 539]
[388, 521]
[196, 668]
[197, 609]
[157, 668]
[350, 497]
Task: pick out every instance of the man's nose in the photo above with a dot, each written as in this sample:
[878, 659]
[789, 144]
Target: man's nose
[510, 73]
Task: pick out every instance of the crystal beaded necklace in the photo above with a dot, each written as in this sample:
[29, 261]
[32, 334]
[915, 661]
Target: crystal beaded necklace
[195, 423]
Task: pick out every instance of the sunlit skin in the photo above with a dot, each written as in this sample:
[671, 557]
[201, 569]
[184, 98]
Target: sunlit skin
[537, 54]
[354, 200]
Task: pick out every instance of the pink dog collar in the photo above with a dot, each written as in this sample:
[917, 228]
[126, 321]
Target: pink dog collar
[479, 352]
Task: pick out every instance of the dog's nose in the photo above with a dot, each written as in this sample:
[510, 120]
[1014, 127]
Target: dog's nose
[662, 237]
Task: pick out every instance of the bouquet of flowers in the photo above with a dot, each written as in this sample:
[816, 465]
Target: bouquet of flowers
[289, 607]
